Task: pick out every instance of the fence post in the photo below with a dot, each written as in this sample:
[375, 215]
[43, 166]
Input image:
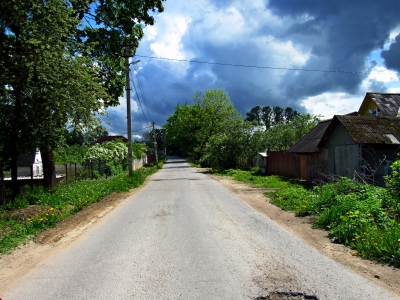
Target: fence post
[31, 167]
[3, 202]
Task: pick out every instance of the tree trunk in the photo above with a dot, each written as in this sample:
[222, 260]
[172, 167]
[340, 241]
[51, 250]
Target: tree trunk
[14, 175]
[14, 143]
[49, 170]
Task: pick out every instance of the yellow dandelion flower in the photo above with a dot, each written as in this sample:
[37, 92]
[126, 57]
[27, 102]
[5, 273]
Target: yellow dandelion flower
[51, 208]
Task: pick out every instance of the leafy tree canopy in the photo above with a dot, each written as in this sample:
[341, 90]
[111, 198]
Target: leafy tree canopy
[62, 63]
[283, 136]
[267, 116]
[191, 126]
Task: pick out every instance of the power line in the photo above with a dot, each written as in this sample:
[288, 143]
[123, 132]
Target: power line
[262, 67]
[136, 130]
[141, 91]
[137, 95]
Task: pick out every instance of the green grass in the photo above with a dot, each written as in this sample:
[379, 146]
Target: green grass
[254, 176]
[363, 217]
[40, 209]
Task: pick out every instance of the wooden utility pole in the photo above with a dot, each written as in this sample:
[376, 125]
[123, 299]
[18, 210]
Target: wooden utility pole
[155, 142]
[128, 108]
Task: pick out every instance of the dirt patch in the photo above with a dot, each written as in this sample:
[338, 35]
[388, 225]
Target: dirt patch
[384, 276]
[287, 296]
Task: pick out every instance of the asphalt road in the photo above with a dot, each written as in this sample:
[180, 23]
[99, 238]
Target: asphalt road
[184, 236]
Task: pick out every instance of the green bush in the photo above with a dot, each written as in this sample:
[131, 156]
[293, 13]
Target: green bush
[393, 186]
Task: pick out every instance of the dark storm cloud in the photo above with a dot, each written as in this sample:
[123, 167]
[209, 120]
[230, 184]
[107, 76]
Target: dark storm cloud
[340, 34]
[392, 55]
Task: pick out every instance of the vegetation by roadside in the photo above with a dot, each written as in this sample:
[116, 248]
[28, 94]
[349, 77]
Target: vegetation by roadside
[363, 217]
[41, 209]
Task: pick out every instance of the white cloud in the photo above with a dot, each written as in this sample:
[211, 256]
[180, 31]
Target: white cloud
[165, 40]
[380, 73]
[394, 90]
[121, 108]
[330, 104]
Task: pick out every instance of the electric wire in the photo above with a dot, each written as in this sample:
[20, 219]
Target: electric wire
[137, 95]
[259, 67]
[141, 90]
[137, 130]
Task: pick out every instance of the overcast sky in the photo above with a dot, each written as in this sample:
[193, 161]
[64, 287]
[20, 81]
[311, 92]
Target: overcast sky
[360, 39]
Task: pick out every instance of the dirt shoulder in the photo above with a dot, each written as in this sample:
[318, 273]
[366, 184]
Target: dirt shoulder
[384, 276]
[24, 259]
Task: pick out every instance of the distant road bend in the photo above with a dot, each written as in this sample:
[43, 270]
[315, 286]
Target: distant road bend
[184, 236]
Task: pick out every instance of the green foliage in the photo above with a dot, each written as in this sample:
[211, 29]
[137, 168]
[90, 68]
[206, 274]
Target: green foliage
[70, 154]
[285, 135]
[148, 138]
[57, 69]
[138, 149]
[115, 151]
[355, 215]
[191, 126]
[239, 143]
[268, 116]
[52, 206]
[253, 176]
[393, 186]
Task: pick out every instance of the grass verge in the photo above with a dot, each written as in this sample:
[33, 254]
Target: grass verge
[363, 217]
[40, 209]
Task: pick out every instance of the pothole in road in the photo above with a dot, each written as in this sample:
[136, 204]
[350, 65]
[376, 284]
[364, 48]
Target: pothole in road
[286, 296]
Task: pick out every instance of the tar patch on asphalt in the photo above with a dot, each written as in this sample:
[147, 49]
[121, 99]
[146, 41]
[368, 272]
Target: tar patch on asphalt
[286, 296]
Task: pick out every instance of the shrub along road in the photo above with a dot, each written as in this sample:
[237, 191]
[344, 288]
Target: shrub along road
[184, 236]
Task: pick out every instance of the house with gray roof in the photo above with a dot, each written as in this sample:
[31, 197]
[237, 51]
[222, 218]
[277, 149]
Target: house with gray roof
[361, 147]
[380, 104]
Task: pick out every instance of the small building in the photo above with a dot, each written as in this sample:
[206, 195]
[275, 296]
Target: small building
[380, 104]
[310, 160]
[30, 164]
[361, 147]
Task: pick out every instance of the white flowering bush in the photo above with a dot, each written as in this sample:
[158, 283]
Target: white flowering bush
[114, 154]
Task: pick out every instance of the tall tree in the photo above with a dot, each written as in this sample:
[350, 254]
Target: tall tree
[191, 126]
[283, 136]
[278, 115]
[255, 114]
[233, 148]
[57, 68]
[267, 117]
[216, 112]
[289, 114]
